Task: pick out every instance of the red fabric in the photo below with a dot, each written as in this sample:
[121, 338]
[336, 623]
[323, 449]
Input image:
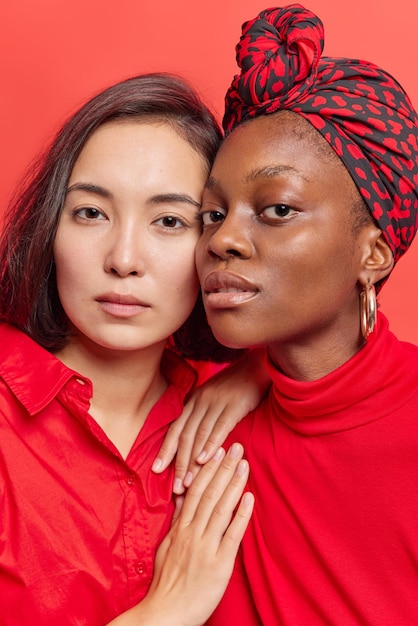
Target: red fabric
[79, 525]
[361, 111]
[206, 369]
[334, 536]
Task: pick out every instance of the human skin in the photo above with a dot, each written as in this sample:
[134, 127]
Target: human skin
[129, 229]
[124, 259]
[195, 560]
[280, 261]
[126, 277]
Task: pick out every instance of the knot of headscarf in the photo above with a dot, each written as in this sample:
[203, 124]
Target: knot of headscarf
[360, 109]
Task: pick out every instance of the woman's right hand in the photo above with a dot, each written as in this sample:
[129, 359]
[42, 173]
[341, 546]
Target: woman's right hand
[210, 415]
[195, 561]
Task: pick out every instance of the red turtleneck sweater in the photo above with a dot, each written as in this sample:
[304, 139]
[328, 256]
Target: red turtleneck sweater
[334, 468]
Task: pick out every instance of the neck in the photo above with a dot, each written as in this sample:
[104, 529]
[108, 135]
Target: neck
[126, 385]
[314, 356]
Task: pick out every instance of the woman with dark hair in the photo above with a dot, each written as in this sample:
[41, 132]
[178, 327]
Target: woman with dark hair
[311, 201]
[98, 281]
[30, 232]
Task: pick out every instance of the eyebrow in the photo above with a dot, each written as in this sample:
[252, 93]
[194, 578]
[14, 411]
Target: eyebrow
[174, 197]
[269, 171]
[157, 199]
[90, 188]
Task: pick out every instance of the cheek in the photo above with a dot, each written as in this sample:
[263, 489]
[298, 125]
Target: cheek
[178, 292]
[73, 263]
[201, 254]
[309, 258]
[69, 284]
[62, 261]
[178, 270]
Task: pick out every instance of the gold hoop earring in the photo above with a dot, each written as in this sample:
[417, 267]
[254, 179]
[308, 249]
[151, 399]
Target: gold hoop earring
[368, 308]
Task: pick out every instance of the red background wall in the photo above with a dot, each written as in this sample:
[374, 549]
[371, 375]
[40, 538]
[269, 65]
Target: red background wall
[54, 55]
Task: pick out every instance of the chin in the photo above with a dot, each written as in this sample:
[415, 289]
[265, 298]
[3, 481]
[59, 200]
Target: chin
[231, 339]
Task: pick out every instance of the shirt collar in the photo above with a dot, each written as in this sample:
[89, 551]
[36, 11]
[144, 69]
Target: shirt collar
[33, 374]
[36, 376]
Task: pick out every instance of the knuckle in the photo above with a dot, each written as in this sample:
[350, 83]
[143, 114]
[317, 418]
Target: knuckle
[229, 463]
[175, 427]
[204, 430]
[219, 510]
[181, 467]
[215, 439]
[225, 424]
[185, 437]
[210, 494]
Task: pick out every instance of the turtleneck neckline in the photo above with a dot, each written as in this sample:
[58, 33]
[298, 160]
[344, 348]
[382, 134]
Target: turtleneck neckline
[353, 394]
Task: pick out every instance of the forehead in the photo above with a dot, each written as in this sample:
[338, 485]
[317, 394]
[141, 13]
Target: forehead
[268, 135]
[133, 162]
[282, 142]
[134, 133]
[132, 145]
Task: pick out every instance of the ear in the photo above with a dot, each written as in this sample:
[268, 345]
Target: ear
[377, 261]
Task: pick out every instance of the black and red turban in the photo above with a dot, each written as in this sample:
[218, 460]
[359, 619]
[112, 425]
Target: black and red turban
[361, 111]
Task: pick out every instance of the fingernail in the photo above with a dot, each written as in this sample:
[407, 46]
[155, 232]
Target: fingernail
[247, 499]
[242, 467]
[201, 457]
[218, 454]
[235, 450]
[157, 465]
[188, 479]
[178, 485]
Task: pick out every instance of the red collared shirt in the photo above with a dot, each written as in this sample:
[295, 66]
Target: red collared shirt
[79, 525]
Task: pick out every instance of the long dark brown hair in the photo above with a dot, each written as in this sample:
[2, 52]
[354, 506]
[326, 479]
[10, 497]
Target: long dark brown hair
[29, 295]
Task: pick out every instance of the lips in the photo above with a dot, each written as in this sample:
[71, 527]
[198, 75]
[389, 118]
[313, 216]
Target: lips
[225, 289]
[121, 306]
[116, 298]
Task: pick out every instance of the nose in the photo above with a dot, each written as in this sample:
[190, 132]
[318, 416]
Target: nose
[231, 238]
[125, 254]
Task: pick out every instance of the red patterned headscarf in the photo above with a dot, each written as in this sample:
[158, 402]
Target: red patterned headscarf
[361, 111]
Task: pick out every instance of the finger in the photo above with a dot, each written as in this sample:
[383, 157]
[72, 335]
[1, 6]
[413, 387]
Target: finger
[194, 496]
[222, 427]
[184, 452]
[209, 498]
[236, 529]
[205, 430]
[189, 446]
[228, 501]
[178, 501]
[170, 444]
[211, 434]
[200, 421]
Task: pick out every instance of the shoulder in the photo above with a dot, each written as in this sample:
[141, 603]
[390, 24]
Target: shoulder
[29, 375]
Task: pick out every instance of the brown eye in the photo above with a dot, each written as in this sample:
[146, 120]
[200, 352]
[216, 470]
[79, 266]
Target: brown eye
[277, 211]
[90, 213]
[211, 217]
[171, 222]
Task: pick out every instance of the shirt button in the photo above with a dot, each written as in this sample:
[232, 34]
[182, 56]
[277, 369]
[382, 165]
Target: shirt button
[131, 480]
[140, 568]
